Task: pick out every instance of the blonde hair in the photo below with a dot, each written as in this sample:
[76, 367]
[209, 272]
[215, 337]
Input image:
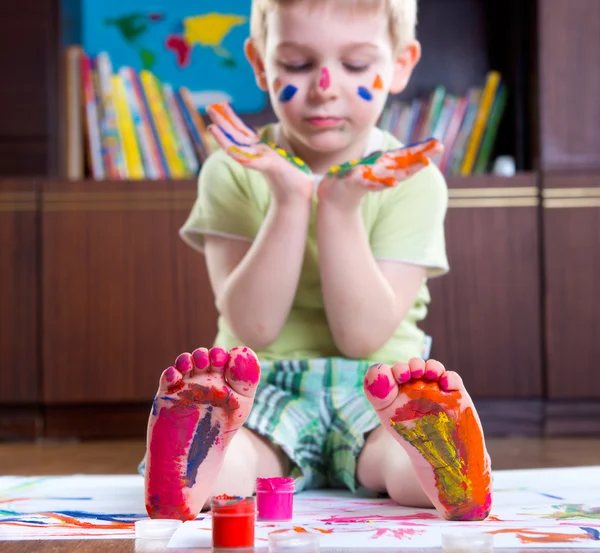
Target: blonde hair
[402, 15]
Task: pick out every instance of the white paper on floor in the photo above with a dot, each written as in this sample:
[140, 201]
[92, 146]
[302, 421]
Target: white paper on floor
[550, 508]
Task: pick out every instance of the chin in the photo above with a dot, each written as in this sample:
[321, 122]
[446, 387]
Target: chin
[329, 141]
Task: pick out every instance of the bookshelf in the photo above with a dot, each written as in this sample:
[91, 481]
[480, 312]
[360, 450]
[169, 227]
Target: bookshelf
[94, 276]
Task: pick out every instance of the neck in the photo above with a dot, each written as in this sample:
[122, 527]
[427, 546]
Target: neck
[321, 162]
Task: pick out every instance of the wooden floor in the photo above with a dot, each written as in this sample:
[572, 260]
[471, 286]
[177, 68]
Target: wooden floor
[123, 457]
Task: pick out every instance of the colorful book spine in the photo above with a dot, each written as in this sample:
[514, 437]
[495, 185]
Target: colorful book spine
[143, 132]
[111, 146]
[159, 115]
[454, 125]
[91, 118]
[187, 147]
[161, 160]
[127, 134]
[491, 131]
[487, 100]
[197, 122]
[465, 131]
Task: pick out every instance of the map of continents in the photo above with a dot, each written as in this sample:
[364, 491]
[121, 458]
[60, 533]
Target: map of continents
[203, 51]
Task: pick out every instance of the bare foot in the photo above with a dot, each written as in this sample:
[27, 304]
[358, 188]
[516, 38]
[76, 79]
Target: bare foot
[201, 402]
[430, 414]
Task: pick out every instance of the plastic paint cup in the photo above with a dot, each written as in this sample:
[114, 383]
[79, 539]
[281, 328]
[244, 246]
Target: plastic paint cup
[275, 498]
[232, 522]
[467, 542]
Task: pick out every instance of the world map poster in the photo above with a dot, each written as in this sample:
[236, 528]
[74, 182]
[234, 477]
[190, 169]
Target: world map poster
[194, 43]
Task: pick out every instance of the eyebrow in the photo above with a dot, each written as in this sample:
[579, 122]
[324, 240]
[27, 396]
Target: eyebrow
[350, 46]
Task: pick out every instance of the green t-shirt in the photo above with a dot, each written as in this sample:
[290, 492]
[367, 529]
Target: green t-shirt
[404, 223]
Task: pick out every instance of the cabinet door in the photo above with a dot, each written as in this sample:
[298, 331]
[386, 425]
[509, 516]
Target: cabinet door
[485, 314]
[572, 270]
[28, 95]
[123, 295]
[19, 250]
[569, 84]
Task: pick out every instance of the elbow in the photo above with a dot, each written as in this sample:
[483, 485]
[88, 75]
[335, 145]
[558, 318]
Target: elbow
[255, 335]
[358, 348]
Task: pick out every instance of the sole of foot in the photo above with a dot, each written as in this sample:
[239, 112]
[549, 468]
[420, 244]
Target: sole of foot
[201, 402]
[430, 414]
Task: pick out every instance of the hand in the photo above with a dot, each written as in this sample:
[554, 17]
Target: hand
[348, 183]
[287, 174]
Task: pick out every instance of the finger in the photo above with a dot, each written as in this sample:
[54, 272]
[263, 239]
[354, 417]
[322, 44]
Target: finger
[417, 154]
[241, 153]
[235, 135]
[225, 111]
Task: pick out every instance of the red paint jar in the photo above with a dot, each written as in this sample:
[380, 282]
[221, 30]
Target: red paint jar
[232, 522]
[275, 498]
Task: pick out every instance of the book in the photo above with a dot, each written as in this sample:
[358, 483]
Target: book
[483, 112]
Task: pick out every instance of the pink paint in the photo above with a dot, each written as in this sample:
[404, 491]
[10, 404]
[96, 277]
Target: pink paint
[379, 518]
[431, 375]
[404, 377]
[444, 383]
[171, 436]
[417, 374]
[275, 498]
[399, 533]
[380, 387]
[201, 359]
[325, 80]
[171, 375]
[184, 363]
[218, 357]
[245, 367]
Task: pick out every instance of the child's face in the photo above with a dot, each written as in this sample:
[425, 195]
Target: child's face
[328, 72]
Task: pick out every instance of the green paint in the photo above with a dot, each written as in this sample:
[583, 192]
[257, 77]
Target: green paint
[344, 169]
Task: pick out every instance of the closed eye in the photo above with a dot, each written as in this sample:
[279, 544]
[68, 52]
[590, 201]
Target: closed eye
[356, 68]
[296, 67]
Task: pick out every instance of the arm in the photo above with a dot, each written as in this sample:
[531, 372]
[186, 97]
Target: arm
[365, 300]
[255, 284]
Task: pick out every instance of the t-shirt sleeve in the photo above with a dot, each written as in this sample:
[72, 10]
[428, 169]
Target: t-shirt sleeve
[410, 223]
[226, 204]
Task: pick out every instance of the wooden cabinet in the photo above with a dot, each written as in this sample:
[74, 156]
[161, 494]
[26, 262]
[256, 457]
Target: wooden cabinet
[485, 314]
[19, 310]
[569, 84]
[122, 294]
[28, 95]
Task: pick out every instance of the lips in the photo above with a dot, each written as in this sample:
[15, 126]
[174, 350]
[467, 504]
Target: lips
[325, 121]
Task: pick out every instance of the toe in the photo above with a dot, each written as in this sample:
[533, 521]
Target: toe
[401, 372]
[184, 363]
[451, 381]
[417, 367]
[434, 370]
[218, 359]
[170, 380]
[380, 388]
[242, 371]
[201, 359]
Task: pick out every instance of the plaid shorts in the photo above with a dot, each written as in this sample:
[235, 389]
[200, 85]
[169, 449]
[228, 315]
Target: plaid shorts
[317, 412]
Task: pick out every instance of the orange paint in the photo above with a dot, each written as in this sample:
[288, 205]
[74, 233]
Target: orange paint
[404, 158]
[461, 436]
[532, 536]
[277, 84]
[368, 174]
[378, 83]
[220, 109]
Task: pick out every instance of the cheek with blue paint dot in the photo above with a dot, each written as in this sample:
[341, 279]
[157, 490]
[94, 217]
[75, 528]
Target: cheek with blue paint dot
[287, 93]
[365, 93]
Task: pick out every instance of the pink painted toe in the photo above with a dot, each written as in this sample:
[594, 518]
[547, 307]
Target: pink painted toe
[218, 359]
[201, 359]
[401, 372]
[380, 388]
[434, 370]
[243, 371]
[184, 363]
[417, 367]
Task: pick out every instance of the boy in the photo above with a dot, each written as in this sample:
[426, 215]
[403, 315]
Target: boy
[323, 276]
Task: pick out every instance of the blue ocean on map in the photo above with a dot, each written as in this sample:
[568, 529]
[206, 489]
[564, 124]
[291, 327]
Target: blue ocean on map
[197, 44]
